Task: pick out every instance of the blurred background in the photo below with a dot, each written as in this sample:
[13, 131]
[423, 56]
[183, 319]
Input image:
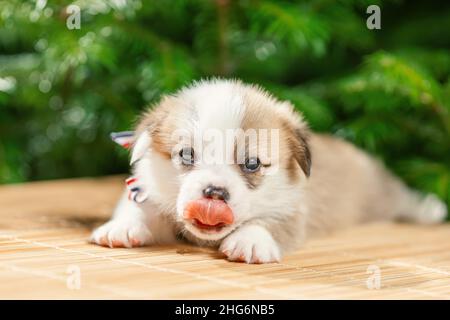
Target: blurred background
[62, 91]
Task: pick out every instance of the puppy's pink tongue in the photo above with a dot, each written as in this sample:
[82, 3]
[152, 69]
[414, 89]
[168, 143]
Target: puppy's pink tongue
[210, 212]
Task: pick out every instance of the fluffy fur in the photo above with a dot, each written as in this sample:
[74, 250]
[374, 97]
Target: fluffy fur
[315, 183]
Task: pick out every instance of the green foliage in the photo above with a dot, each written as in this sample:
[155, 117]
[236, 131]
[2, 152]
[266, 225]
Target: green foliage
[62, 91]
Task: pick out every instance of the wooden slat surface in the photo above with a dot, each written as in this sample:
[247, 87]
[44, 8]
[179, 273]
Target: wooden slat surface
[43, 252]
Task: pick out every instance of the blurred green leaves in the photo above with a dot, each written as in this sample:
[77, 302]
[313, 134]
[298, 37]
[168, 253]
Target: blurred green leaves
[62, 91]
[293, 24]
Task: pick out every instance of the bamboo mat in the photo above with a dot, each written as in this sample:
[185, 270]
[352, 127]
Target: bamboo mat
[44, 254]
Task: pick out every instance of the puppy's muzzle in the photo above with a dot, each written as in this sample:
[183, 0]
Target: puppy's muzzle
[210, 212]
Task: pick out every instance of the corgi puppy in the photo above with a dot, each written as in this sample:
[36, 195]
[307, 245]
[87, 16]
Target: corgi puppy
[225, 164]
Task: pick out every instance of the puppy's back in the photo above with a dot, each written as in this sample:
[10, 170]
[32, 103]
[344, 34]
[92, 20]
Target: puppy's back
[349, 186]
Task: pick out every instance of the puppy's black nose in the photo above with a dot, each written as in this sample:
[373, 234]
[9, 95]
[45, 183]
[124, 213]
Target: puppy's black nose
[216, 193]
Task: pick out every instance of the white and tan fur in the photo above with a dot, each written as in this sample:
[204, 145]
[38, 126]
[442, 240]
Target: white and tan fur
[345, 186]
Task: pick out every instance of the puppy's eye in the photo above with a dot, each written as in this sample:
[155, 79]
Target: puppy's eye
[187, 156]
[251, 165]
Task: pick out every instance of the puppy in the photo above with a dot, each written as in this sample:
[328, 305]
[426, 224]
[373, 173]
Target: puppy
[225, 164]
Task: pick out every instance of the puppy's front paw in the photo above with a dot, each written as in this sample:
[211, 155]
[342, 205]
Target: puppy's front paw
[251, 244]
[122, 233]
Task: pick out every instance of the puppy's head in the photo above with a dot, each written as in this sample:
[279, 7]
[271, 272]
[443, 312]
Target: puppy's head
[220, 153]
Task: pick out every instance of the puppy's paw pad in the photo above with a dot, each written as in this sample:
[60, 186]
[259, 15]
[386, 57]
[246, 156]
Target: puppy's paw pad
[122, 234]
[252, 245]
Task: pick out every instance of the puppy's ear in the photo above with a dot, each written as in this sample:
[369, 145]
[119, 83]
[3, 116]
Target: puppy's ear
[301, 151]
[140, 146]
[298, 134]
[148, 128]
